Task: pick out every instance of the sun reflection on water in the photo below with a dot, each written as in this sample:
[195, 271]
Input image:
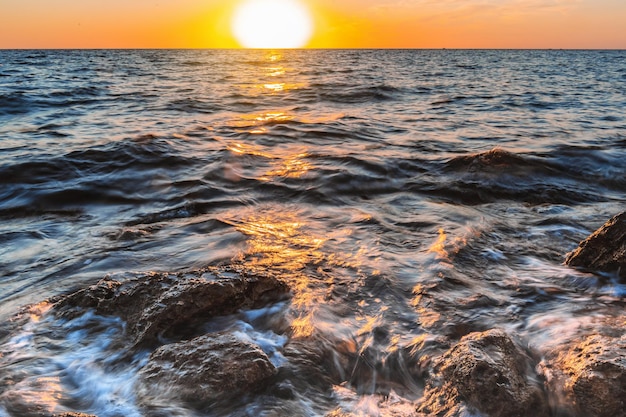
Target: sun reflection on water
[256, 123]
[276, 71]
[292, 166]
[439, 247]
[280, 240]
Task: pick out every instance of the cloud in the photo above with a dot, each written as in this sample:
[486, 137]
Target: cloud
[452, 6]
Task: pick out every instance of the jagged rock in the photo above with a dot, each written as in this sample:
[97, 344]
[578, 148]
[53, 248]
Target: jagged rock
[205, 369]
[485, 372]
[604, 250]
[73, 414]
[591, 375]
[158, 304]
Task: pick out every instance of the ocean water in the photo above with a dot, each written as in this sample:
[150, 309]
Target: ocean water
[402, 194]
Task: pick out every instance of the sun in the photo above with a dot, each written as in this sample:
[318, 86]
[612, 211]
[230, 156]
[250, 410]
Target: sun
[272, 24]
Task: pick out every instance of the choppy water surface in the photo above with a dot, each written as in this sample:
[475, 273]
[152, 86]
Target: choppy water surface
[405, 196]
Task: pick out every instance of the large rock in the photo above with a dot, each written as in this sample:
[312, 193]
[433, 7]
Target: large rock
[204, 369]
[604, 250]
[590, 376]
[159, 305]
[485, 372]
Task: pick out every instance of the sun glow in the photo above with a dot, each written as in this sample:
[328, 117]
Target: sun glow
[272, 24]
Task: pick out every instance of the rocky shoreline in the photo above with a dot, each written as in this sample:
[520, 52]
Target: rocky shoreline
[489, 372]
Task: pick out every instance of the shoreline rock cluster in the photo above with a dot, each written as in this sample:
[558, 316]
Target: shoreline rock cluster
[485, 371]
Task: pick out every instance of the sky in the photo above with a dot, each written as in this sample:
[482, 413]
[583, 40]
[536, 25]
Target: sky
[567, 24]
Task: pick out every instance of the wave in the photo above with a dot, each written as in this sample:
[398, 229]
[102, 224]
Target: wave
[351, 94]
[115, 173]
[189, 105]
[14, 103]
[501, 175]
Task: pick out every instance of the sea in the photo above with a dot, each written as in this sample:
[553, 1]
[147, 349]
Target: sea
[403, 195]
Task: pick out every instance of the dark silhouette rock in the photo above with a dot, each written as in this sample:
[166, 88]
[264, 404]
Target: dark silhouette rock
[604, 250]
[160, 304]
[487, 372]
[590, 376]
[204, 369]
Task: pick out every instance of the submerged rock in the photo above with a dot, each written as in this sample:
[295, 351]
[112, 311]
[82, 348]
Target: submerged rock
[604, 250]
[205, 369]
[590, 376]
[162, 305]
[487, 372]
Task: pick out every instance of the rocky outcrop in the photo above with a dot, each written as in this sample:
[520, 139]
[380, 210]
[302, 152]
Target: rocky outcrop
[167, 305]
[205, 369]
[604, 250]
[589, 377]
[487, 372]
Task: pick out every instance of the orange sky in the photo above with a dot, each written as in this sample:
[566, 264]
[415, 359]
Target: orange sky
[338, 23]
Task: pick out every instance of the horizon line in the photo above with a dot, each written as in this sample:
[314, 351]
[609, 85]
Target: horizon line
[309, 48]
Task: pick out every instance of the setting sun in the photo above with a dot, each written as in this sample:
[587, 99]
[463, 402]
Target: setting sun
[272, 24]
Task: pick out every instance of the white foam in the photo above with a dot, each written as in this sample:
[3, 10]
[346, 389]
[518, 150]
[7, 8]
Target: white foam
[270, 342]
[79, 363]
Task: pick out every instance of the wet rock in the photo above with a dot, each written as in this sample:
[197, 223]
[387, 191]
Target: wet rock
[590, 376]
[487, 372]
[205, 369]
[313, 358]
[159, 305]
[35, 404]
[604, 250]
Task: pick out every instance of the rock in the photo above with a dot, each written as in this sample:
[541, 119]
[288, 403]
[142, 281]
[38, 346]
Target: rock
[312, 357]
[591, 375]
[485, 372]
[604, 250]
[35, 403]
[158, 305]
[204, 369]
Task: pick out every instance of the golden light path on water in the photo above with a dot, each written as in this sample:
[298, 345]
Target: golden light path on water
[282, 238]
